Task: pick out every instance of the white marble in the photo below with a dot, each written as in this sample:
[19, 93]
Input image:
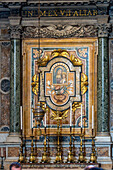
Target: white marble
[3, 137]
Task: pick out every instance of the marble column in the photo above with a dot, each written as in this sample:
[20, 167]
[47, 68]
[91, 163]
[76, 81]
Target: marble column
[103, 81]
[15, 86]
[15, 82]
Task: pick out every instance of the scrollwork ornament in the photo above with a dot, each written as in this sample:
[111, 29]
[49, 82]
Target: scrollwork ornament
[15, 31]
[35, 84]
[104, 29]
[84, 83]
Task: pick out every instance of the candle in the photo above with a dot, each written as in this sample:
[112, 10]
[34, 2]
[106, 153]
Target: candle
[45, 120]
[32, 119]
[81, 115]
[92, 117]
[70, 113]
[21, 116]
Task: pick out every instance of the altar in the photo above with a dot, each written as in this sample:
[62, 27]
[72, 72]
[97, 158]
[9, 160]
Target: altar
[56, 56]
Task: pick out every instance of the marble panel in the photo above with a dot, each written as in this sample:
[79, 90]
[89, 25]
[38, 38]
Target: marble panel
[5, 59]
[103, 151]
[13, 151]
[5, 110]
[4, 72]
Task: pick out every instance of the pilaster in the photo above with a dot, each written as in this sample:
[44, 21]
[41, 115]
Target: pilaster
[15, 34]
[103, 82]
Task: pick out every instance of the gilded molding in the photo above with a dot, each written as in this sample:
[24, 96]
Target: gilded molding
[61, 31]
[104, 29]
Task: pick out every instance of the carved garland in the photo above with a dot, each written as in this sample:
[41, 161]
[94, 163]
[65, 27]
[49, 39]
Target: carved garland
[61, 31]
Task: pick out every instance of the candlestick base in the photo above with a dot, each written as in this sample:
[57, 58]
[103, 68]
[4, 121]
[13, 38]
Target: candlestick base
[81, 158]
[32, 155]
[44, 158]
[32, 158]
[58, 158]
[93, 157]
[70, 158]
[21, 158]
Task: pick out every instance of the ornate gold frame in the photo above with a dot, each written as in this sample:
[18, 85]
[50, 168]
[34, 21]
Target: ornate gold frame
[27, 45]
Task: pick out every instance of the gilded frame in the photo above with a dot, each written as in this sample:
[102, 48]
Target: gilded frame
[26, 48]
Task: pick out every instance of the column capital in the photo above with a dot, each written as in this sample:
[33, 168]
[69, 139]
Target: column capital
[104, 29]
[15, 31]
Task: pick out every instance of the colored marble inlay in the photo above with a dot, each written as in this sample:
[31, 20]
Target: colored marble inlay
[102, 86]
[83, 54]
[4, 72]
[3, 152]
[13, 151]
[5, 59]
[102, 151]
[5, 109]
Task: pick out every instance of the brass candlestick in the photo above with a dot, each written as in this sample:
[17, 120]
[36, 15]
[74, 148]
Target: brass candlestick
[93, 157]
[81, 158]
[59, 154]
[45, 156]
[25, 154]
[32, 156]
[70, 158]
[21, 156]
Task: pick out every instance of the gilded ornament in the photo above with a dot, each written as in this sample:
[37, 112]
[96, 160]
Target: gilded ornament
[75, 60]
[43, 61]
[84, 83]
[35, 84]
[60, 116]
[60, 52]
[76, 105]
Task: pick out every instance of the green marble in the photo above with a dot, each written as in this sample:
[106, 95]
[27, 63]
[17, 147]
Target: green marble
[15, 86]
[102, 86]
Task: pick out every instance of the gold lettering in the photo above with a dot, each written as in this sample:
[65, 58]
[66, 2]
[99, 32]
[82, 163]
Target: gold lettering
[95, 12]
[42, 13]
[69, 13]
[49, 13]
[30, 13]
[80, 14]
[84, 12]
[75, 13]
[55, 13]
[89, 13]
[62, 12]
